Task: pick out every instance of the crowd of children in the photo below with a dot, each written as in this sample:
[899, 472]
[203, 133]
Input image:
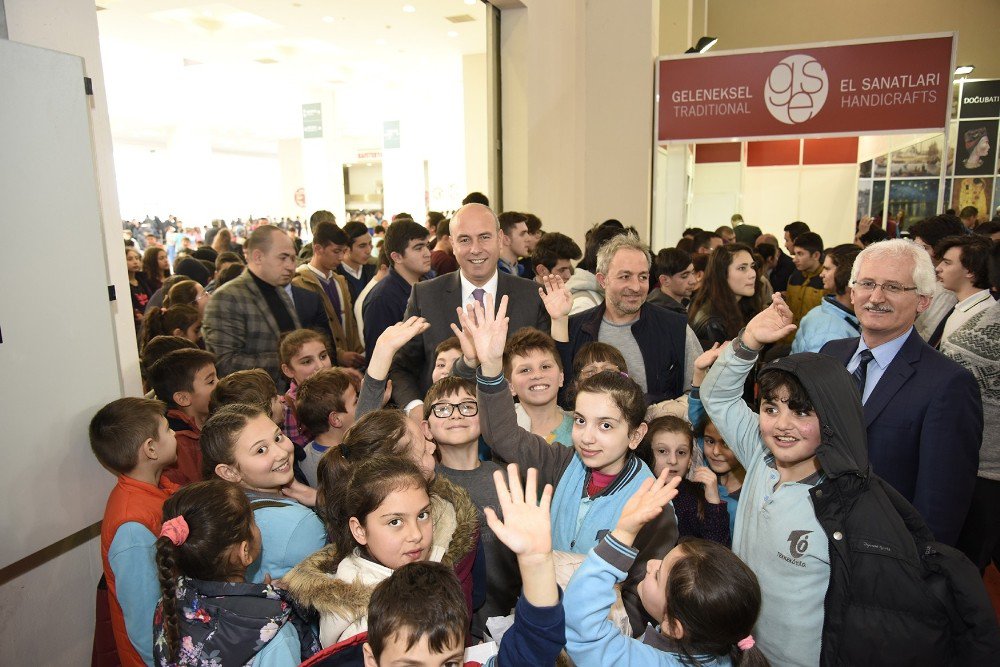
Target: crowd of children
[521, 519]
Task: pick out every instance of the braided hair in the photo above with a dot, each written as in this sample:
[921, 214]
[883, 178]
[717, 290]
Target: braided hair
[219, 519]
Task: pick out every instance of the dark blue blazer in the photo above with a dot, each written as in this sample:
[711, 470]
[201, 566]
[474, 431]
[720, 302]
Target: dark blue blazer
[312, 315]
[384, 306]
[925, 427]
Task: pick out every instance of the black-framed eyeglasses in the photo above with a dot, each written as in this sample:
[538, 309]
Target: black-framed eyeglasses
[888, 288]
[465, 408]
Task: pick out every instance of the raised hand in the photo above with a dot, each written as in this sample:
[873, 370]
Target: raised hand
[705, 361]
[526, 528]
[556, 297]
[488, 332]
[390, 341]
[644, 506]
[707, 478]
[769, 325]
[464, 339]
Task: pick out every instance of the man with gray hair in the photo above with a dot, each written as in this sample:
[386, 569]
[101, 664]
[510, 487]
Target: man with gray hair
[658, 345]
[923, 411]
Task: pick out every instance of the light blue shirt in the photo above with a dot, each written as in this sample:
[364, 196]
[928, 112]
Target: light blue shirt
[132, 557]
[288, 534]
[883, 356]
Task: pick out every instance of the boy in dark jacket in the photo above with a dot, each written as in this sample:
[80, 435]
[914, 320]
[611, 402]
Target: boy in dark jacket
[839, 554]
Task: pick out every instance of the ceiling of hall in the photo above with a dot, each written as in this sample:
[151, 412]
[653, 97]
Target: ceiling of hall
[245, 53]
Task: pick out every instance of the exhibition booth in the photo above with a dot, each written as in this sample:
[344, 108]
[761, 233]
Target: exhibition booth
[824, 133]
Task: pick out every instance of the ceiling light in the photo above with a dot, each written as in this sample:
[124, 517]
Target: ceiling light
[380, 42]
[964, 70]
[452, 33]
[704, 44]
[328, 19]
[470, 2]
[409, 9]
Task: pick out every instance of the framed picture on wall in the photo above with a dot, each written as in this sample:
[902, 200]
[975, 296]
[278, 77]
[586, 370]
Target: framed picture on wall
[976, 148]
[918, 160]
[865, 169]
[864, 198]
[880, 168]
[878, 199]
[912, 200]
[973, 192]
[946, 202]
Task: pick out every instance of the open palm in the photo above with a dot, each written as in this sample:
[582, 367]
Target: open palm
[488, 330]
[526, 528]
[556, 297]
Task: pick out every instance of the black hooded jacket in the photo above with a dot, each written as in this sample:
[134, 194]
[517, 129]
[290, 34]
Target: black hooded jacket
[895, 596]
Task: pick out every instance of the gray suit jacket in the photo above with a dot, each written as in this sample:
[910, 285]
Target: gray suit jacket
[241, 331]
[437, 300]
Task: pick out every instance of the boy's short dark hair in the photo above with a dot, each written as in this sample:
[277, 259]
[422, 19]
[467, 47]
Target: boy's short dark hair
[175, 372]
[354, 230]
[226, 257]
[773, 380]
[231, 272]
[399, 235]
[533, 222]
[525, 340]
[700, 261]
[974, 255]
[445, 387]
[443, 228]
[447, 344]
[254, 386]
[932, 230]
[476, 198]
[703, 240]
[321, 216]
[968, 212]
[766, 250]
[553, 247]
[510, 219]
[419, 600]
[843, 257]
[873, 235]
[160, 346]
[119, 429]
[796, 228]
[669, 262]
[811, 242]
[320, 395]
[327, 233]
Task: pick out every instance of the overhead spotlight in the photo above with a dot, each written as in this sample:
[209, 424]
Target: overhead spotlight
[452, 33]
[964, 70]
[471, 2]
[704, 44]
[409, 9]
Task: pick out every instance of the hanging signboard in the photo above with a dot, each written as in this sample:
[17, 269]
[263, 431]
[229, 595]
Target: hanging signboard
[902, 84]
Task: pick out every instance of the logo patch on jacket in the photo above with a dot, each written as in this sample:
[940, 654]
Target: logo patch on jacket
[798, 545]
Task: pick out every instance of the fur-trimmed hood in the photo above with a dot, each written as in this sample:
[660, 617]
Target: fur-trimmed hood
[317, 583]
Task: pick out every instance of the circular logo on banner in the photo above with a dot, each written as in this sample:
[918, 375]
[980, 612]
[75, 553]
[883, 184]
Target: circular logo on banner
[796, 89]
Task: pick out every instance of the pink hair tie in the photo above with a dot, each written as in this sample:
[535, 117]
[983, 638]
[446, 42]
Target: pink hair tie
[176, 530]
[746, 643]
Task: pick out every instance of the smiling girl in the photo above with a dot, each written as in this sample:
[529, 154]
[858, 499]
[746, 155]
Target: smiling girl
[383, 435]
[240, 443]
[668, 446]
[303, 353]
[382, 519]
[595, 477]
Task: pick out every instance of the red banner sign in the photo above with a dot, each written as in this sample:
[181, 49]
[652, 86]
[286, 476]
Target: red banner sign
[903, 84]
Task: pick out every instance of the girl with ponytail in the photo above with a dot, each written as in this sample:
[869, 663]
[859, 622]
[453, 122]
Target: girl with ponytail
[209, 614]
[178, 320]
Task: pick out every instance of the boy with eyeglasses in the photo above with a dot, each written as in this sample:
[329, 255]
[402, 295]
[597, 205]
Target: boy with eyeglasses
[451, 420]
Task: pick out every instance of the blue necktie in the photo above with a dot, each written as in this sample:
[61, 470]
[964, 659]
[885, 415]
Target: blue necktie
[860, 373]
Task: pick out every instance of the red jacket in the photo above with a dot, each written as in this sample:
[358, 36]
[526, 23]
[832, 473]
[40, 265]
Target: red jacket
[188, 466]
[130, 501]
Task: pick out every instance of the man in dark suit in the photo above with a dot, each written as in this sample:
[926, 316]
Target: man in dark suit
[246, 317]
[475, 234]
[922, 410]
